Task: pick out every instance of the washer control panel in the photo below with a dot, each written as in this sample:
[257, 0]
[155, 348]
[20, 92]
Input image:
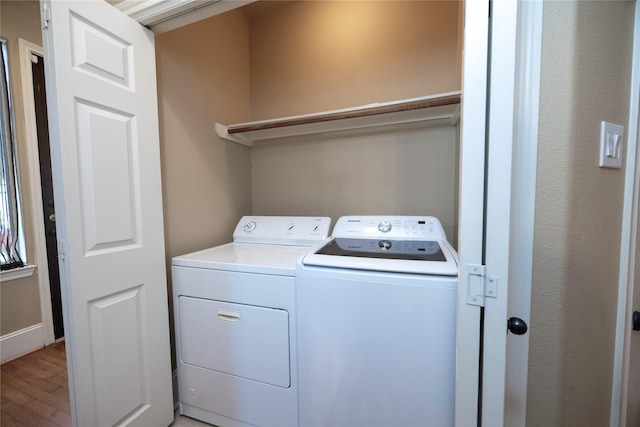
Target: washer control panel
[284, 230]
[396, 227]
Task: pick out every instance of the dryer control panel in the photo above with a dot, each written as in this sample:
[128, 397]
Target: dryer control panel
[282, 230]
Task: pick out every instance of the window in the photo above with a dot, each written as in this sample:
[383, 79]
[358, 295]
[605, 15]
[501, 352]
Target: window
[11, 243]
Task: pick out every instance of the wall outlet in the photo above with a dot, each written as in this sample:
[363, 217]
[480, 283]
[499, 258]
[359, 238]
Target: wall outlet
[611, 139]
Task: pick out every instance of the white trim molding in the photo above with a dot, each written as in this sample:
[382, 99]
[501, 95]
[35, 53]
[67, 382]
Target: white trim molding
[21, 342]
[18, 273]
[26, 51]
[165, 15]
[470, 212]
[627, 272]
[524, 171]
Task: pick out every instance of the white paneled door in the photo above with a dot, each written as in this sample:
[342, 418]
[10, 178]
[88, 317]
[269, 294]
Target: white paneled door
[501, 63]
[101, 90]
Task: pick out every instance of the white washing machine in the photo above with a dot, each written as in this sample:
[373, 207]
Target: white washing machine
[234, 313]
[376, 326]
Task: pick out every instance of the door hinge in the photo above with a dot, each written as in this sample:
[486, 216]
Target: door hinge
[45, 16]
[479, 285]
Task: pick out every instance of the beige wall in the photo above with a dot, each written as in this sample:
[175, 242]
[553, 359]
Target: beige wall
[20, 299]
[321, 55]
[586, 66]
[203, 77]
[409, 171]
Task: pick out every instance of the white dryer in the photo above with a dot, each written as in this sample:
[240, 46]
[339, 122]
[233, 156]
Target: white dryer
[234, 314]
[376, 325]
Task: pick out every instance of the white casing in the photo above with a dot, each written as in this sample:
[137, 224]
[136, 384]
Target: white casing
[376, 348]
[235, 321]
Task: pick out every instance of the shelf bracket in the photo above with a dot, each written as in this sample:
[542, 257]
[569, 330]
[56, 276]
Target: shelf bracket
[223, 133]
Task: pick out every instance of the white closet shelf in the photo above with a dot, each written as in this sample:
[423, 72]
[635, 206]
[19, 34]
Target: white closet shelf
[442, 107]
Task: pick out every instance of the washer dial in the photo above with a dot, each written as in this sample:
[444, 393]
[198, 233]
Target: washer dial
[384, 226]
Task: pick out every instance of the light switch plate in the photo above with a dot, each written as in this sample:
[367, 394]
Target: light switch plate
[611, 139]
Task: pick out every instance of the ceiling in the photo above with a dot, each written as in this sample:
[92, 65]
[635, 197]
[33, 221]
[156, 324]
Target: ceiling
[165, 15]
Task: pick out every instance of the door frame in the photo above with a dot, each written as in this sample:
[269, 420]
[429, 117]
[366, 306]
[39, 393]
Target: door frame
[515, 61]
[510, 132]
[473, 122]
[26, 49]
[630, 213]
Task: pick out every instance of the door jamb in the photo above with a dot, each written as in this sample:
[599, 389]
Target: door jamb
[26, 49]
[629, 232]
[470, 206]
[523, 196]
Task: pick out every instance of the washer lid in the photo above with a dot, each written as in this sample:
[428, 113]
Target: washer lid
[245, 257]
[418, 257]
[384, 249]
[392, 243]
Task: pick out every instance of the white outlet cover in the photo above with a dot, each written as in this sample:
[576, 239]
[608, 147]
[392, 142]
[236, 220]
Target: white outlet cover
[611, 141]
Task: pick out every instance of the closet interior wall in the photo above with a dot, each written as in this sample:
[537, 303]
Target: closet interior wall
[299, 58]
[316, 56]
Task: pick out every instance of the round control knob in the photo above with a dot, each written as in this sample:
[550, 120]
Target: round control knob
[385, 245]
[384, 226]
[250, 226]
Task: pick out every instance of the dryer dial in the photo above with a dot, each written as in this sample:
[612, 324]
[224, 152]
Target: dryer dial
[250, 226]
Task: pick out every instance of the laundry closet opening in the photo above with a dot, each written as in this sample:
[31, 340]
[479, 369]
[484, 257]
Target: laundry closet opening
[279, 59]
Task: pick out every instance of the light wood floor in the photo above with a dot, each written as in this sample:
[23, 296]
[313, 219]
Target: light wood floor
[35, 391]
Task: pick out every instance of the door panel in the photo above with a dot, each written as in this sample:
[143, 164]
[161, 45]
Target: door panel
[107, 177]
[122, 310]
[106, 171]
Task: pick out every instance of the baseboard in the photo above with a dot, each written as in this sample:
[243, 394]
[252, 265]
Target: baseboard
[21, 342]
